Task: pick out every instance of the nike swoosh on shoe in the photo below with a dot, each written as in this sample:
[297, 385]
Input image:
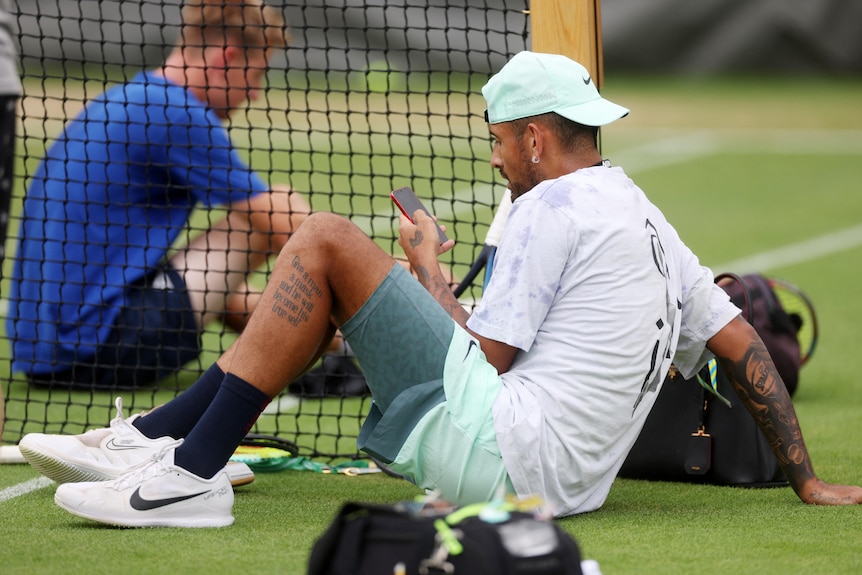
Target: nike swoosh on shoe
[112, 445]
[140, 504]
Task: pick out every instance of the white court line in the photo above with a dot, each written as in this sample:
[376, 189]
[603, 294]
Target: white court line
[662, 147]
[677, 146]
[801, 252]
[680, 146]
[24, 488]
[685, 146]
[678, 149]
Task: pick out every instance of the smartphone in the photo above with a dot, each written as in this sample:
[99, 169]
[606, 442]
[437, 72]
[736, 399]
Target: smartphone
[408, 203]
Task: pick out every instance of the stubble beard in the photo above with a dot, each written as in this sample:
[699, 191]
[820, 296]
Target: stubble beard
[531, 178]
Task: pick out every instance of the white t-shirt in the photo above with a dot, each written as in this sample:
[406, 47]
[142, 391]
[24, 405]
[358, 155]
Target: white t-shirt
[600, 295]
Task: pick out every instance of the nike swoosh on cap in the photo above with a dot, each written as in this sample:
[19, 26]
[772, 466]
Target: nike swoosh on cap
[140, 504]
[586, 80]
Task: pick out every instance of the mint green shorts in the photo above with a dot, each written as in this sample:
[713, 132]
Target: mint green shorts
[431, 418]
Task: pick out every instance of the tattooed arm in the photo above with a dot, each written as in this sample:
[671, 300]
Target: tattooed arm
[759, 387]
[421, 246]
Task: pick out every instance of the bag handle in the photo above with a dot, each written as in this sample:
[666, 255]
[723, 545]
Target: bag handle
[698, 453]
[778, 316]
[748, 309]
[807, 316]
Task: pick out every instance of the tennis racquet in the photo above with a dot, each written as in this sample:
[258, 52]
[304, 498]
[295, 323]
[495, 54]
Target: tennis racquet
[265, 453]
[796, 303]
[485, 259]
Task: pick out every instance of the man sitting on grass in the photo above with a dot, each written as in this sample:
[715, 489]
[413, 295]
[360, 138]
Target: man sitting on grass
[543, 390]
[99, 298]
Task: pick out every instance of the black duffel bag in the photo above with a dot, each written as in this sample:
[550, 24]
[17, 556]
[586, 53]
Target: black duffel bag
[691, 434]
[366, 539]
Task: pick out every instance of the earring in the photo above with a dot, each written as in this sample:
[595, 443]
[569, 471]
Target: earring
[535, 159]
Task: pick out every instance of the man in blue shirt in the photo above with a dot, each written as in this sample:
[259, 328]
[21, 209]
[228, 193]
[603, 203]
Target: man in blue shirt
[97, 298]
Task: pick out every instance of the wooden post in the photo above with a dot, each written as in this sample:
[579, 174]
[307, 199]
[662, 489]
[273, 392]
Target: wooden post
[572, 28]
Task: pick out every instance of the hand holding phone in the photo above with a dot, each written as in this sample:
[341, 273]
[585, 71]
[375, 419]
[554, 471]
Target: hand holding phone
[408, 203]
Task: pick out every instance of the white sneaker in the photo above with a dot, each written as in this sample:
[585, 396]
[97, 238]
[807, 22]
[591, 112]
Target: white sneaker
[155, 494]
[103, 454]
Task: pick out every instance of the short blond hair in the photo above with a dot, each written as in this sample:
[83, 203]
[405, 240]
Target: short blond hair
[249, 24]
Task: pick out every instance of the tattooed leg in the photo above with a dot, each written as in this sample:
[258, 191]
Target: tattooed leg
[322, 276]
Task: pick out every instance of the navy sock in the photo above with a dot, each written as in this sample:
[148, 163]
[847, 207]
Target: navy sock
[177, 417]
[233, 411]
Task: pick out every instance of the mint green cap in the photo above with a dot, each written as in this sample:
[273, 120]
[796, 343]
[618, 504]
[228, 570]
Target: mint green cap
[532, 83]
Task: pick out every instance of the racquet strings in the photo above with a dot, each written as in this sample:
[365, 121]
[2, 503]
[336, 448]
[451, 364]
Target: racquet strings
[796, 303]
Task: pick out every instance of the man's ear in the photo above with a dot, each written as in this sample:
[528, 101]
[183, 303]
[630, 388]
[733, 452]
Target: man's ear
[231, 54]
[536, 134]
[221, 57]
[215, 57]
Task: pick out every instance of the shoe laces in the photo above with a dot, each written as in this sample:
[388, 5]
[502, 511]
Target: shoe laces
[120, 419]
[150, 468]
[119, 425]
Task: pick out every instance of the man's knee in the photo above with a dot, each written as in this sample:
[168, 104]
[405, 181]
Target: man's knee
[327, 228]
[352, 263]
[323, 236]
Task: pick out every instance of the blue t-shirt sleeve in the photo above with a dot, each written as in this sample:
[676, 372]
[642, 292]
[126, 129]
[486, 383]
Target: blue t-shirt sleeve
[202, 157]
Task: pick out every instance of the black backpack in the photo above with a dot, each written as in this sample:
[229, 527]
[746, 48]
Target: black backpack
[779, 329]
